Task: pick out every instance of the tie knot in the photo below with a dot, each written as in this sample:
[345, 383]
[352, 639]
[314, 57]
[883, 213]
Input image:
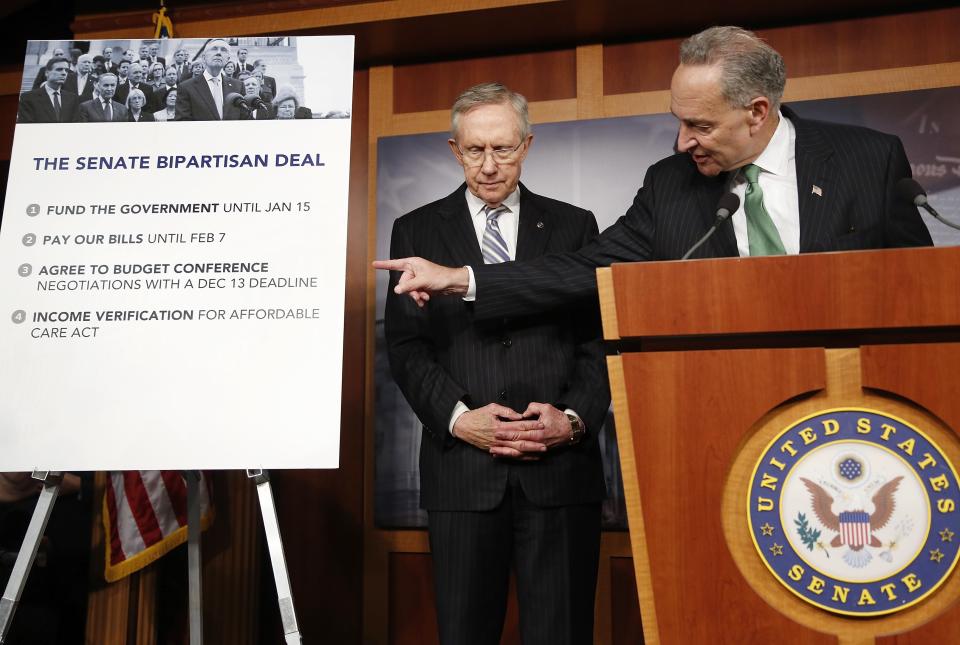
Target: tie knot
[493, 213]
[751, 172]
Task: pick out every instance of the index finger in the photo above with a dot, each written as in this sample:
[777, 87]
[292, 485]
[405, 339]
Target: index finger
[391, 265]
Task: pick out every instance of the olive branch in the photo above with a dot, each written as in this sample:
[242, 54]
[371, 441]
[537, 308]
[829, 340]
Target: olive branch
[809, 536]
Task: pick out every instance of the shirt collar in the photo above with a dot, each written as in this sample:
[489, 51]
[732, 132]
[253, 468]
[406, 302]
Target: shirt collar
[475, 204]
[208, 76]
[775, 158]
[50, 90]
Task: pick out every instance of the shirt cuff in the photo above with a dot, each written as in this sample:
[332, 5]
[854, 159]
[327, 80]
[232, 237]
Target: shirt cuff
[471, 294]
[458, 409]
[570, 411]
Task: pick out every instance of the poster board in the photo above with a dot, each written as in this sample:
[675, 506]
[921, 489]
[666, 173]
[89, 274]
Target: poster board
[173, 290]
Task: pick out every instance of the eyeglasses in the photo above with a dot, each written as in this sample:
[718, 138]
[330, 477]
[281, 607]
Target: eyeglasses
[475, 156]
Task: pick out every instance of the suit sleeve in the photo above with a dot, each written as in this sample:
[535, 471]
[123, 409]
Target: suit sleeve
[589, 391]
[551, 281]
[83, 113]
[428, 388]
[903, 225]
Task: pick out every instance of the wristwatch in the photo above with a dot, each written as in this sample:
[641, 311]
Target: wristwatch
[577, 431]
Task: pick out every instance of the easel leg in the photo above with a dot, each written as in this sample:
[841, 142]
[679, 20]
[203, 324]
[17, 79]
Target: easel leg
[28, 551]
[195, 572]
[288, 616]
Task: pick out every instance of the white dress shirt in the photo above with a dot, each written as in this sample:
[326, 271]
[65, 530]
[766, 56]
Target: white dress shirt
[778, 181]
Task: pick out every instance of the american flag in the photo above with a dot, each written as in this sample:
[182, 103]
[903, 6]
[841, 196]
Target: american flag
[145, 516]
[855, 528]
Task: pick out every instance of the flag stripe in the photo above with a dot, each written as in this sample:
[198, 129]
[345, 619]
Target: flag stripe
[142, 510]
[130, 539]
[163, 511]
[116, 548]
[177, 492]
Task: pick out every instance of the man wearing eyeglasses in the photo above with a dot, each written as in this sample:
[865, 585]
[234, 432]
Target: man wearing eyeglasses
[492, 501]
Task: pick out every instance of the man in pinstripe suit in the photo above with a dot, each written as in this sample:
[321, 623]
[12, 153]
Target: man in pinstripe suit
[494, 501]
[822, 187]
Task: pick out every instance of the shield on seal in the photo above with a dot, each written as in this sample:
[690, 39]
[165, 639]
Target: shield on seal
[855, 528]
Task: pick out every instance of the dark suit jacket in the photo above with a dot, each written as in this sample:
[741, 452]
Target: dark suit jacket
[87, 92]
[92, 110]
[439, 356]
[195, 102]
[270, 83]
[123, 91]
[855, 168]
[35, 107]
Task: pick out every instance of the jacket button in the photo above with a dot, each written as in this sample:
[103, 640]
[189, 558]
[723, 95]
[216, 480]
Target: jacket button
[507, 342]
[503, 394]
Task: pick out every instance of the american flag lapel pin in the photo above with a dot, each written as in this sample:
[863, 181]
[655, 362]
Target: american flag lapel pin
[816, 190]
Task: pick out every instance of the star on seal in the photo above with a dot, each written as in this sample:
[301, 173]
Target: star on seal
[936, 555]
[946, 535]
[776, 549]
[766, 529]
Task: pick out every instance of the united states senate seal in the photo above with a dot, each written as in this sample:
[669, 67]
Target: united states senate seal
[855, 511]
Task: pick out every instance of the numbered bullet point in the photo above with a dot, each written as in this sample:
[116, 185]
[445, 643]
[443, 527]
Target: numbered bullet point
[19, 316]
[33, 210]
[29, 239]
[25, 270]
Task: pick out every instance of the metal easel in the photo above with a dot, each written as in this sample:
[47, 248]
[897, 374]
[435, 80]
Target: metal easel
[28, 551]
[41, 515]
[271, 527]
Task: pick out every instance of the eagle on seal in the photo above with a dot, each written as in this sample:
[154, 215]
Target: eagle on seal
[854, 527]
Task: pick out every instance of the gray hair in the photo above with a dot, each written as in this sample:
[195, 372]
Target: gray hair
[750, 67]
[135, 92]
[490, 94]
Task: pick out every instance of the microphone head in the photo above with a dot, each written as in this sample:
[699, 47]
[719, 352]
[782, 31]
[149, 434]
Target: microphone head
[910, 190]
[727, 205]
[235, 100]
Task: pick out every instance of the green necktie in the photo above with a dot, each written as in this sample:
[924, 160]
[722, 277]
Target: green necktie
[762, 235]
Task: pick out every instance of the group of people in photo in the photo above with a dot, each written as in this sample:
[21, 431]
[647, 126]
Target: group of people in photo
[215, 82]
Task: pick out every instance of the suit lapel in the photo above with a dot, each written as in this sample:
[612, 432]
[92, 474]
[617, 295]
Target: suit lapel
[818, 193]
[709, 190]
[50, 114]
[458, 233]
[533, 228]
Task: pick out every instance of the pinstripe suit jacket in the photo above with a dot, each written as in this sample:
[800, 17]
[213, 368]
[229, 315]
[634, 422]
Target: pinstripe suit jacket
[855, 168]
[439, 356]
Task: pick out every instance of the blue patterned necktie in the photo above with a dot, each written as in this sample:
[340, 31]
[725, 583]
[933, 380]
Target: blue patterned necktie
[494, 247]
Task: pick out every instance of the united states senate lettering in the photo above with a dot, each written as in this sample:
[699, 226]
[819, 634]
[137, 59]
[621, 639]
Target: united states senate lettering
[855, 511]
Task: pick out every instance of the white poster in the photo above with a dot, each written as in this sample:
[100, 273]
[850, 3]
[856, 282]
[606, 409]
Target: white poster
[172, 281]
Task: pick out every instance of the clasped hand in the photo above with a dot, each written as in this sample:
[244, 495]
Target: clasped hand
[504, 432]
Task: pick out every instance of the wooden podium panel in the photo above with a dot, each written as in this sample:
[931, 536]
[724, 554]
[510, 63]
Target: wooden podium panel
[686, 431]
[718, 359]
[859, 290]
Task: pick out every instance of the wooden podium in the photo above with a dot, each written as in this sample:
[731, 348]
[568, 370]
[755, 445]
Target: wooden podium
[718, 356]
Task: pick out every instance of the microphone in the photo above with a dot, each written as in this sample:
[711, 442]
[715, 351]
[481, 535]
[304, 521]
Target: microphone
[257, 102]
[726, 206]
[236, 100]
[914, 193]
